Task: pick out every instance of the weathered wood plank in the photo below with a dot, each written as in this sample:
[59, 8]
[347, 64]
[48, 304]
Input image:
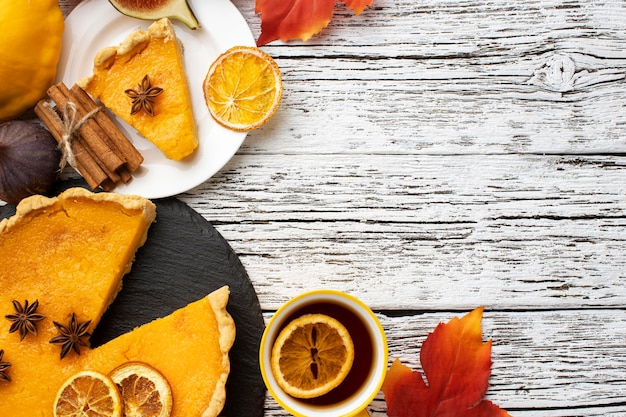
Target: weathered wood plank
[441, 117]
[451, 28]
[507, 231]
[386, 188]
[570, 362]
[428, 110]
[454, 77]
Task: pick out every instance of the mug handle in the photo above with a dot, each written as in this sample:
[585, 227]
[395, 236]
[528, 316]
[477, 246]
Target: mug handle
[362, 413]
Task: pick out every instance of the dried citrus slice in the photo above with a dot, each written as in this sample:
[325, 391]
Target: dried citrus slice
[88, 394]
[311, 356]
[243, 88]
[144, 390]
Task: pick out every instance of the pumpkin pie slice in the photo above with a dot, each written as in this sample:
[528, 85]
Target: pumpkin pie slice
[188, 347]
[143, 81]
[68, 255]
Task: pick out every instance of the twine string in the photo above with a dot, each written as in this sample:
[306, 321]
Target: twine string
[69, 127]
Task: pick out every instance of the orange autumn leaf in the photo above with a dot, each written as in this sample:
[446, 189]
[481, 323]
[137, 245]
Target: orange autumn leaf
[358, 5]
[457, 366]
[293, 19]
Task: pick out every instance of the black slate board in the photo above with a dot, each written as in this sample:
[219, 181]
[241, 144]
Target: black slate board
[184, 259]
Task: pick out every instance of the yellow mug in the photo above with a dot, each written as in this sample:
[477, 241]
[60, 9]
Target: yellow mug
[368, 370]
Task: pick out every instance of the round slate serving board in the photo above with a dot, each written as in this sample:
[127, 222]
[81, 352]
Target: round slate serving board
[183, 260]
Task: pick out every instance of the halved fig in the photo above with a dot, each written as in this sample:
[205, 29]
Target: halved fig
[157, 9]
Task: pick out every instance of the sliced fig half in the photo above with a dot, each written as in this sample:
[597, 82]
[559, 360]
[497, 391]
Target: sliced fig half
[157, 9]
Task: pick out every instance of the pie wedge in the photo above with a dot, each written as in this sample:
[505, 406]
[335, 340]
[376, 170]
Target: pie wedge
[127, 79]
[189, 347]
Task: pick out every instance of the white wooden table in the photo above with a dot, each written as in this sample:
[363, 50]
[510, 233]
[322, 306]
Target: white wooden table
[430, 157]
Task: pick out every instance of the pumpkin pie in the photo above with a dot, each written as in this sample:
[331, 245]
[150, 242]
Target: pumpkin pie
[143, 81]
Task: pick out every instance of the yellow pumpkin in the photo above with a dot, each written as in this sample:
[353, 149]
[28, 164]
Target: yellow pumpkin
[32, 32]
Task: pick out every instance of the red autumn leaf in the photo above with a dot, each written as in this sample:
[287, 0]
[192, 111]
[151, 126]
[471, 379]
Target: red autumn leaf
[291, 19]
[457, 366]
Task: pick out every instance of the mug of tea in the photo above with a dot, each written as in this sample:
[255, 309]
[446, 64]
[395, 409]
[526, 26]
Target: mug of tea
[324, 354]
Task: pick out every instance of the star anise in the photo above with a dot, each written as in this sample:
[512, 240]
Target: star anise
[25, 318]
[4, 367]
[70, 337]
[143, 97]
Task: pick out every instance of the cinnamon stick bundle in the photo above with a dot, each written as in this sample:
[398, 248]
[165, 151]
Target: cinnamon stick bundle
[100, 151]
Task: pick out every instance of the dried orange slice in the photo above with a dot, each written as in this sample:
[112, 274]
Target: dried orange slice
[144, 390]
[311, 356]
[243, 88]
[88, 394]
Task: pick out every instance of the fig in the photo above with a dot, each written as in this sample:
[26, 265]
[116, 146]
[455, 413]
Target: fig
[29, 160]
[157, 9]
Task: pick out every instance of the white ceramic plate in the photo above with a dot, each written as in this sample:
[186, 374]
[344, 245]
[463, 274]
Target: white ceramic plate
[95, 24]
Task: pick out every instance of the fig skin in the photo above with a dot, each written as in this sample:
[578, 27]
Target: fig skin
[157, 9]
[29, 160]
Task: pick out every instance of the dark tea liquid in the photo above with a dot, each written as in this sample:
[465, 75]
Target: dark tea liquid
[363, 351]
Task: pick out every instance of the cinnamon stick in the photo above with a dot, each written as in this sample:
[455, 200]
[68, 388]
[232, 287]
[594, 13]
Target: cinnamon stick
[107, 185]
[86, 165]
[103, 155]
[90, 133]
[125, 174]
[122, 145]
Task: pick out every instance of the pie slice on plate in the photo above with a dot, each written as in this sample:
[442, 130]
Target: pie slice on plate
[143, 81]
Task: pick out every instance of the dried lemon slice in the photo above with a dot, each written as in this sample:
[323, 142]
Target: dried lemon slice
[144, 390]
[88, 393]
[243, 88]
[311, 356]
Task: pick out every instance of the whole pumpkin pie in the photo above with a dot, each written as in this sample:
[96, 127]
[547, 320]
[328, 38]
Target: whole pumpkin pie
[62, 263]
[143, 81]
